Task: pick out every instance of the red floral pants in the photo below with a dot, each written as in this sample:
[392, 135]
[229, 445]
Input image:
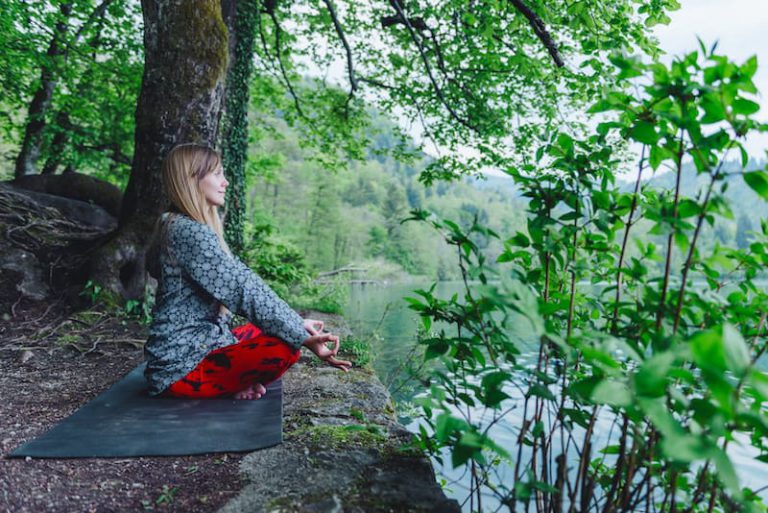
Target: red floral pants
[255, 358]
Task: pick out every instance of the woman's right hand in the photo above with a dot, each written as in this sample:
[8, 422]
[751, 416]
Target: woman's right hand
[318, 344]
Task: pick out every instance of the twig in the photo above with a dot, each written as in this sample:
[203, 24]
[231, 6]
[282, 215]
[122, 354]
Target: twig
[279, 57]
[624, 241]
[670, 239]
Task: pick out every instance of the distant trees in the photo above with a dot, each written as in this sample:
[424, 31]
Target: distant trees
[71, 76]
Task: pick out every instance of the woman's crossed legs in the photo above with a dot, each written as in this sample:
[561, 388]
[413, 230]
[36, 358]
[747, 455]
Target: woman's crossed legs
[240, 370]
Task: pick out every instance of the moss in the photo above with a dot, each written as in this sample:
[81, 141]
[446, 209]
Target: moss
[198, 35]
[358, 374]
[68, 339]
[338, 437]
[279, 504]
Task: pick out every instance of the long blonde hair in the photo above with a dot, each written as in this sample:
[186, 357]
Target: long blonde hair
[183, 168]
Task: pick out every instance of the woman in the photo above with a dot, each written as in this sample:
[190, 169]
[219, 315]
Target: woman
[191, 351]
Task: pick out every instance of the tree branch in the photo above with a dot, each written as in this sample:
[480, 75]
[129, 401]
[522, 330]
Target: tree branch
[95, 15]
[540, 30]
[417, 23]
[347, 49]
[278, 56]
[428, 67]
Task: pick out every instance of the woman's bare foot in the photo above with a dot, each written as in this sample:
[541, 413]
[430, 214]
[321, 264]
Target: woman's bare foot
[255, 391]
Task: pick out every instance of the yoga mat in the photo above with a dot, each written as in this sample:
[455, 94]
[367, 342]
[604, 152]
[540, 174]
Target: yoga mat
[125, 421]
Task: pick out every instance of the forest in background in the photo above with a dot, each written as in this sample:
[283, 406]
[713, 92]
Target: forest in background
[305, 217]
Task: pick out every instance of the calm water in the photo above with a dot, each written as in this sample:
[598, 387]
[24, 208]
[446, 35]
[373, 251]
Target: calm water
[383, 310]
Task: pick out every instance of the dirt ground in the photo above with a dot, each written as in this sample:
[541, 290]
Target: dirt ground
[51, 363]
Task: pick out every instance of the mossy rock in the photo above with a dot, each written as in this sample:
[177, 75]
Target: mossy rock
[342, 437]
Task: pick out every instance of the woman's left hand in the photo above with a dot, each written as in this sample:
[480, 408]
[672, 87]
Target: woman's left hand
[313, 327]
[318, 344]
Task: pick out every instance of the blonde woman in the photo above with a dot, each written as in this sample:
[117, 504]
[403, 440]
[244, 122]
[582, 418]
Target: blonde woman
[191, 351]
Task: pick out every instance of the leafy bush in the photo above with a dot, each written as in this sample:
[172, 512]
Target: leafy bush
[286, 270]
[668, 361]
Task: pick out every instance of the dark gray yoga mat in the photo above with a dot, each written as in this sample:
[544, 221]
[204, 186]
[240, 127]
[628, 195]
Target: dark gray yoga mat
[125, 421]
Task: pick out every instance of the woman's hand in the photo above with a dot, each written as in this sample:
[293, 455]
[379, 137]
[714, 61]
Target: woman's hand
[313, 327]
[318, 345]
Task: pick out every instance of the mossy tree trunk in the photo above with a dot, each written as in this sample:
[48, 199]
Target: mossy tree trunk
[242, 19]
[186, 55]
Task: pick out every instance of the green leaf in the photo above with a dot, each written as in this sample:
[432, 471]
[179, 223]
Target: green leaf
[613, 393]
[662, 419]
[651, 379]
[644, 132]
[708, 350]
[744, 106]
[685, 447]
[736, 350]
[610, 449]
[687, 208]
[758, 181]
[579, 417]
[656, 157]
[435, 348]
[520, 239]
[749, 68]
[541, 391]
[759, 381]
[492, 385]
[446, 426]
[725, 471]
[714, 111]
[583, 389]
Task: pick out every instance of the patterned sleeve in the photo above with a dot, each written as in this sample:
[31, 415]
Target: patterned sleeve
[197, 250]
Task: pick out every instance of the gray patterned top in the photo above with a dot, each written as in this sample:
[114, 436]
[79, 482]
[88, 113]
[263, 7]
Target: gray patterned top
[196, 275]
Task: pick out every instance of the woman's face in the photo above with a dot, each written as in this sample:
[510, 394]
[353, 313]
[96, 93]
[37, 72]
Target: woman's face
[214, 186]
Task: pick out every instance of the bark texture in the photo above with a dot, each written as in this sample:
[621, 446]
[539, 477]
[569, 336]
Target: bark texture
[186, 55]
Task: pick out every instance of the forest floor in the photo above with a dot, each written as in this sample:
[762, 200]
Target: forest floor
[52, 362]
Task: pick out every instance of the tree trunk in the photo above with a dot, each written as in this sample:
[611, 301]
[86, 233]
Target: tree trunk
[185, 45]
[26, 161]
[58, 144]
[242, 30]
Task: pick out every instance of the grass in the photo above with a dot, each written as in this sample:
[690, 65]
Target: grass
[359, 350]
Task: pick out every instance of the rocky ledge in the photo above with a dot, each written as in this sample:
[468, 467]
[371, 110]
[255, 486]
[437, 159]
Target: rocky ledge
[343, 451]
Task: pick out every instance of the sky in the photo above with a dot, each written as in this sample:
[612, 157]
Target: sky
[741, 29]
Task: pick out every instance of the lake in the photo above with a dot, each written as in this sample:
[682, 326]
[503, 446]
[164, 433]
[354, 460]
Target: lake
[381, 309]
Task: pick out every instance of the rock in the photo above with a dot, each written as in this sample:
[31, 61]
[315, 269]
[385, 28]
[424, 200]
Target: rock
[48, 242]
[341, 453]
[32, 281]
[25, 356]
